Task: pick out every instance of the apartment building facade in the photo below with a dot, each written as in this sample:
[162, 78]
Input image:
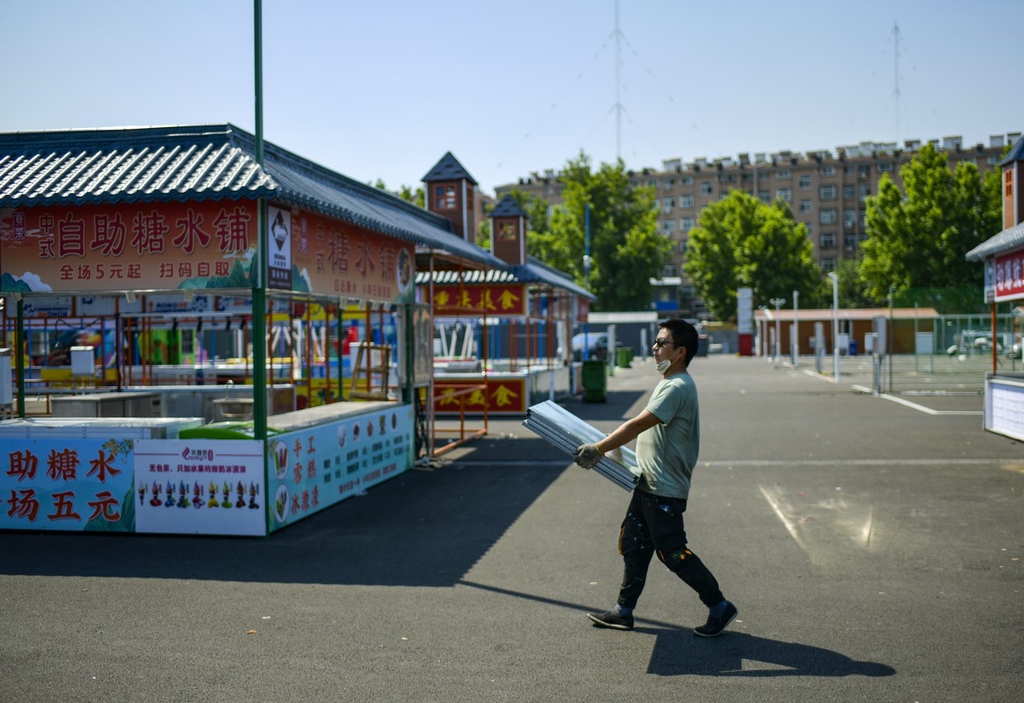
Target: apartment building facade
[826, 190]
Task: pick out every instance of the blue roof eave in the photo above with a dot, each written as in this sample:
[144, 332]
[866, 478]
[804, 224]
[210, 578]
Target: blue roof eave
[1006, 241]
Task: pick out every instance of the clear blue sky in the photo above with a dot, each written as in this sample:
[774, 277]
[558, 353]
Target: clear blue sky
[383, 90]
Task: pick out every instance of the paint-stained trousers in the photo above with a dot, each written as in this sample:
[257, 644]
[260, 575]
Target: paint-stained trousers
[654, 525]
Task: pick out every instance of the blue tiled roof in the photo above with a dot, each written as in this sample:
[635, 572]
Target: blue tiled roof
[1008, 240]
[78, 167]
[203, 162]
[448, 169]
[536, 271]
[1016, 153]
[507, 207]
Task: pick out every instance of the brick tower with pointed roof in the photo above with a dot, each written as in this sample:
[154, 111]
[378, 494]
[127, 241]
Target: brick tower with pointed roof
[508, 231]
[1013, 194]
[451, 193]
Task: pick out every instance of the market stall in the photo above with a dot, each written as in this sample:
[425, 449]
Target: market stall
[260, 304]
[501, 338]
[1003, 258]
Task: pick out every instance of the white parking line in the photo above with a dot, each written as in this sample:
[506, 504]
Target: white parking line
[786, 522]
[915, 406]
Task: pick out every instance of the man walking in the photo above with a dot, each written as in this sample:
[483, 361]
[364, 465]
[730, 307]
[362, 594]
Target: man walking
[668, 441]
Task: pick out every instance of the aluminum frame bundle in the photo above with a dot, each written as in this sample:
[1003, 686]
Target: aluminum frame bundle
[567, 432]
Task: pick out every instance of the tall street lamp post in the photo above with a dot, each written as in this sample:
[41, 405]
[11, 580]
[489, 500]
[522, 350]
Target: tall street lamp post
[778, 340]
[796, 330]
[835, 324]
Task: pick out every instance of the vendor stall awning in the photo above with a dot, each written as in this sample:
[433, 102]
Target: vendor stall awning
[1006, 241]
[536, 271]
[203, 162]
[533, 272]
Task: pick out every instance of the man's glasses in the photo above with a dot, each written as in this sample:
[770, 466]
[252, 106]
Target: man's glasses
[659, 343]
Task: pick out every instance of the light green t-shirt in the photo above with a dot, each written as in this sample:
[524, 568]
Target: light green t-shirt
[667, 452]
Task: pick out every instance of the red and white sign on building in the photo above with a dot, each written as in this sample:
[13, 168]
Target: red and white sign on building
[1009, 276]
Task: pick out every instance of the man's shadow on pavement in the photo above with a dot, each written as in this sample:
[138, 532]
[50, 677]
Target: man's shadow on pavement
[680, 652]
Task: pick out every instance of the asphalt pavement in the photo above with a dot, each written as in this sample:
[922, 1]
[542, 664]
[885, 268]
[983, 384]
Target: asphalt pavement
[873, 549]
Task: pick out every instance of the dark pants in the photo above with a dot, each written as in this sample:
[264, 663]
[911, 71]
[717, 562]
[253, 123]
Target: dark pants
[654, 524]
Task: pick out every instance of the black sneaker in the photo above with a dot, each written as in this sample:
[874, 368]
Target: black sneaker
[714, 626]
[612, 619]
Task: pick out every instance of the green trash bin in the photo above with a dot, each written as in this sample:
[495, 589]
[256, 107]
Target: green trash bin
[595, 382]
[625, 356]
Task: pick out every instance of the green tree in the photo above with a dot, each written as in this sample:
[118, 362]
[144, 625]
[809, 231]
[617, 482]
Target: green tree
[853, 292]
[741, 242]
[917, 237]
[625, 247]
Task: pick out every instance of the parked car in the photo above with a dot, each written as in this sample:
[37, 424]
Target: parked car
[596, 344]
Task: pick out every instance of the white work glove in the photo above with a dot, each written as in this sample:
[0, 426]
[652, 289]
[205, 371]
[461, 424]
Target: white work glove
[587, 455]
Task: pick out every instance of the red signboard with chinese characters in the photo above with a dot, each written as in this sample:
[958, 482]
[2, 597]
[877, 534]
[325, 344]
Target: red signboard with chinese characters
[1009, 276]
[332, 258]
[497, 299]
[502, 395]
[142, 246]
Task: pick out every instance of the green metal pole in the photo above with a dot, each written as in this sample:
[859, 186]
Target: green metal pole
[259, 292]
[19, 356]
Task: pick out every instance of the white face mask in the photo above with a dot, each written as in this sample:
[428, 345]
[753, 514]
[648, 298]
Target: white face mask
[663, 366]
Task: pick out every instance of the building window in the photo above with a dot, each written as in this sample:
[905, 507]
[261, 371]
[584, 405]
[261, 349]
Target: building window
[828, 264]
[1008, 183]
[849, 242]
[783, 194]
[683, 245]
[782, 173]
[668, 183]
[669, 225]
[685, 201]
[706, 188]
[686, 181]
[849, 218]
[668, 203]
[828, 217]
[805, 206]
[444, 197]
[865, 191]
[828, 240]
[827, 192]
[849, 192]
[725, 178]
[685, 224]
[864, 170]
[805, 181]
[765, 197]
[885, 167]
[828, 170]
[669, 271]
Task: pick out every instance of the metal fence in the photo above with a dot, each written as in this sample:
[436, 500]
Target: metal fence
[950, 357]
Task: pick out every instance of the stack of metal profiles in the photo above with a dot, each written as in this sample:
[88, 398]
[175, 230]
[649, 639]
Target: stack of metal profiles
[567, 432]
